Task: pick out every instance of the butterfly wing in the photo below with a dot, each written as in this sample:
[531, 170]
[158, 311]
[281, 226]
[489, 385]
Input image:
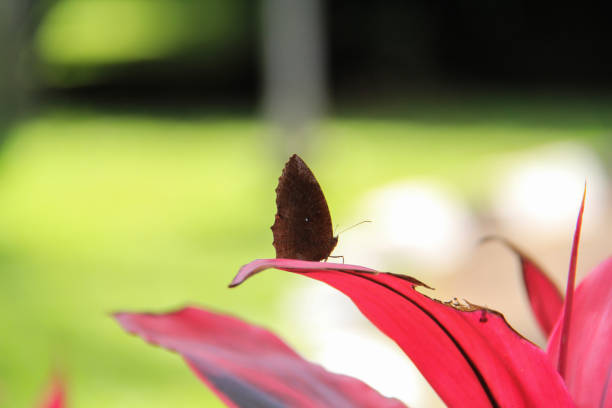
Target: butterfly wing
[302, 226]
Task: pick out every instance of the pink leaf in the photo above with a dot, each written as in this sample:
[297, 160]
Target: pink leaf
[55, 396]
[292, 265]
[467, 353]
[248, 366]
[544, 297]
[589, 353]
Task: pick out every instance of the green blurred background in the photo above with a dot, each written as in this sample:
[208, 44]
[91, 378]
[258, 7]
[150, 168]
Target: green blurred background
[143, 139]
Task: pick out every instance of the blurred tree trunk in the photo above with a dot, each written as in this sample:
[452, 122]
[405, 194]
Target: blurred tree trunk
[18, 21]
[294, 70]
[12, 81]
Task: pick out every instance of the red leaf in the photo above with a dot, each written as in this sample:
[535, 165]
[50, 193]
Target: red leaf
[568, 306]
[466, 355]
[589, 354]
[544, 297]
[248, 366]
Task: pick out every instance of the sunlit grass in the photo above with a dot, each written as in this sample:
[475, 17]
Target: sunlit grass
[101, 212]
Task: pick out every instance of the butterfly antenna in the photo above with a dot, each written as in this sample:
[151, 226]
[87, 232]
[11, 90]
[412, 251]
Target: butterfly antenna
[353, 226]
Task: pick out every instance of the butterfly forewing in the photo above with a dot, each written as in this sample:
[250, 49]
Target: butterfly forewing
[302, 226]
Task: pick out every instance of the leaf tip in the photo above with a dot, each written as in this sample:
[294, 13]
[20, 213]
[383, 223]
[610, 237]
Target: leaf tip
[235, 282]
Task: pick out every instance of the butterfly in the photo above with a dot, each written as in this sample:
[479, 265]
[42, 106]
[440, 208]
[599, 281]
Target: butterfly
[302, 226]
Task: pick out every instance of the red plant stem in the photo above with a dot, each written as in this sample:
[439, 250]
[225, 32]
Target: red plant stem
[569, 293]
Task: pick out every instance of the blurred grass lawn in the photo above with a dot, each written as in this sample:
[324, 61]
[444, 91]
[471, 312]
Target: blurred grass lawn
[101, 212]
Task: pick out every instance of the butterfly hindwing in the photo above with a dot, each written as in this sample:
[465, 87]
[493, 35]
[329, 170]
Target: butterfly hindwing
[302, 226]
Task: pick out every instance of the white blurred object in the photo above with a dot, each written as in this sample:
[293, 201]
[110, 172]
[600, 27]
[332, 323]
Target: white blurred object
[380, 365]
[540, 191]
[419, 224]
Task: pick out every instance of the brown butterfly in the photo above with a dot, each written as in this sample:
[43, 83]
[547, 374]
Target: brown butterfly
[302, 225]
